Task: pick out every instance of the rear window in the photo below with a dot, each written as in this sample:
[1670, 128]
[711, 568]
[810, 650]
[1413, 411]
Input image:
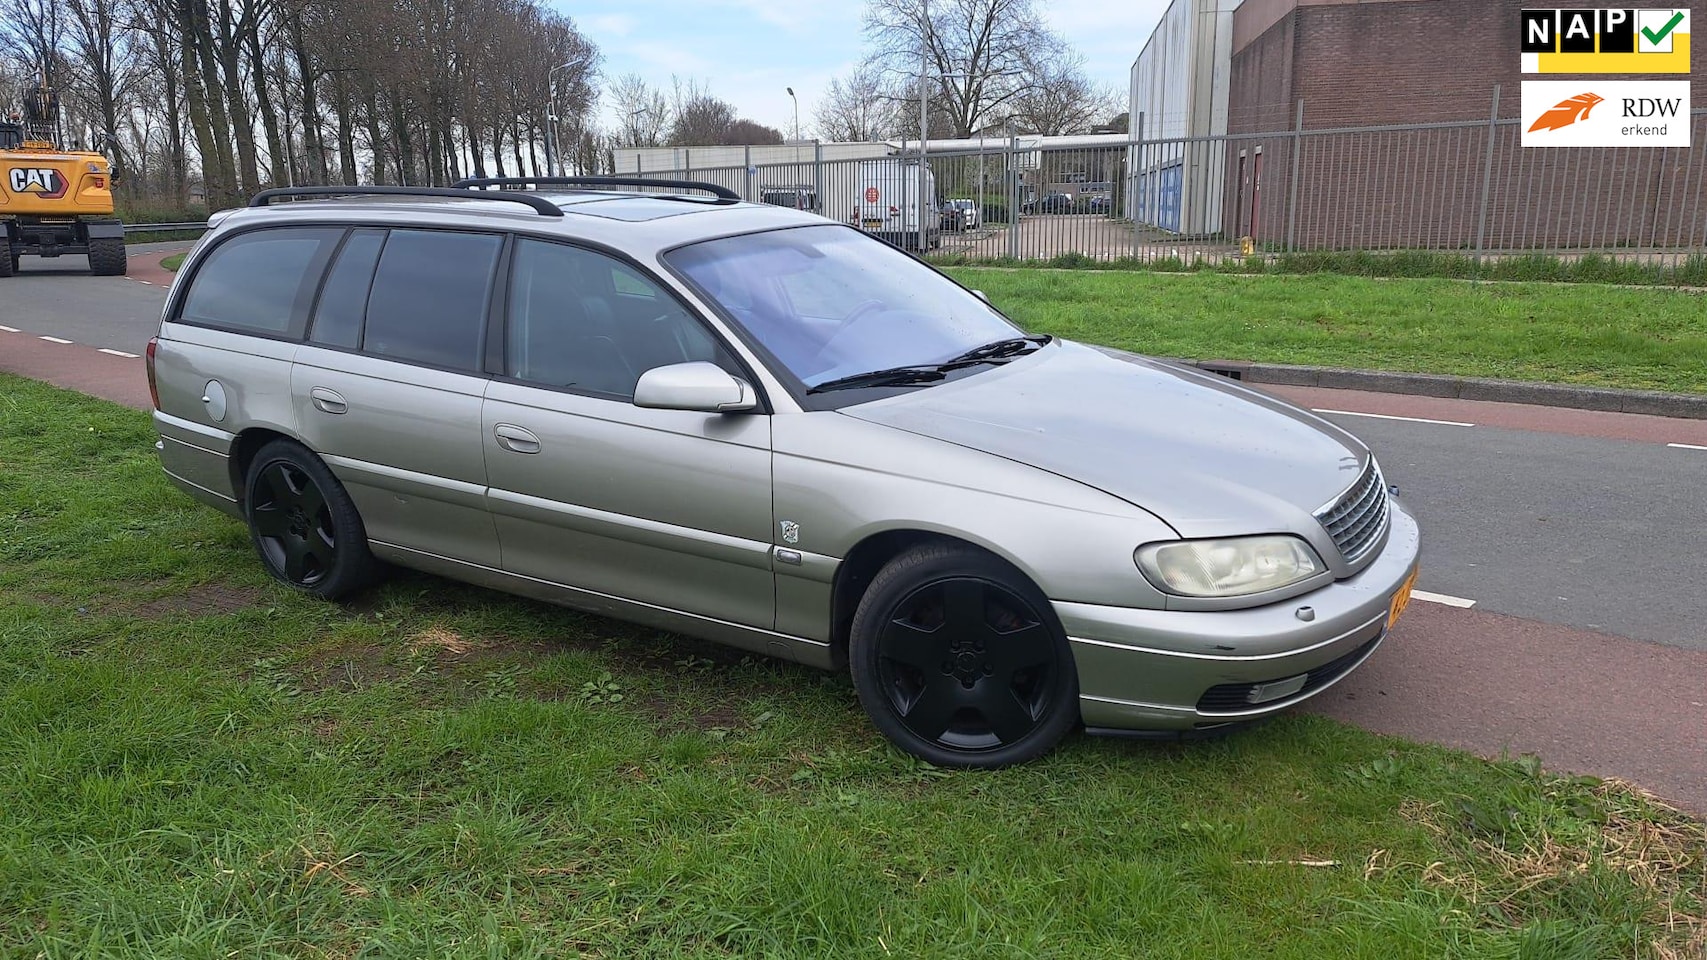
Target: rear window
[429, 297]
[343, 301]
[260, 281]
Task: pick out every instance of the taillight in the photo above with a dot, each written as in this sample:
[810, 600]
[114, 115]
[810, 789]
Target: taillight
[148, 361]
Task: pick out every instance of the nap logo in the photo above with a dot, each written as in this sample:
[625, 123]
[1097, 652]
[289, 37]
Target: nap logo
[44, 182]
[1606, 113]
[1606, 40]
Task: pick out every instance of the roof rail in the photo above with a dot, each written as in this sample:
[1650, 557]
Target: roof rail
[542, 206]
[723, 194]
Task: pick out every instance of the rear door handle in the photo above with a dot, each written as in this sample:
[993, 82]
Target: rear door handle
[327, 401]
[515, 439]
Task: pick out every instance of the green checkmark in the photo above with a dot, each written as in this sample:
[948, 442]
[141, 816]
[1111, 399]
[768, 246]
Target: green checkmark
[1655, 38]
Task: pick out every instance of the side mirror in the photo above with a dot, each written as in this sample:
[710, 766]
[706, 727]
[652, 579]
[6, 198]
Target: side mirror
[980, 295]
[697, 385]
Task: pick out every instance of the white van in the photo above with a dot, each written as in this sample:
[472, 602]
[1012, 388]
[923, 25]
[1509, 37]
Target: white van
[887, 204]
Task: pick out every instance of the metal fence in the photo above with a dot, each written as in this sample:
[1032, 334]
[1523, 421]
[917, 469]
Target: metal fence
[1468, 188]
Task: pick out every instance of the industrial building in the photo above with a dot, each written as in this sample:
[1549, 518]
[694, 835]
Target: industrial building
[1179, 96]
[1294, 162]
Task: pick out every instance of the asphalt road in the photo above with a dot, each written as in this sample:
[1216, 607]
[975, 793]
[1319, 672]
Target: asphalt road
[59, 298]
[1603, 535]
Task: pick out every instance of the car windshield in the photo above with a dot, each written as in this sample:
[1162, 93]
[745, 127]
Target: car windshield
[829, 302]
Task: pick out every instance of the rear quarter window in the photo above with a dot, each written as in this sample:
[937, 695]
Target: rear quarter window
[261, 281]
[429, 297]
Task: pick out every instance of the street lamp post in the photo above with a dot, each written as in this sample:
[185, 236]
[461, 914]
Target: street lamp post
[796, 100]
[551, 161]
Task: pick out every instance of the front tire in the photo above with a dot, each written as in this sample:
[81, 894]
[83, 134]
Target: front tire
[960, 660]
[107, 257]
[303, 523]
[8, 257]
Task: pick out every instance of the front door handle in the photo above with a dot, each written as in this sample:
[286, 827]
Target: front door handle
[327, 401]
[515, 439]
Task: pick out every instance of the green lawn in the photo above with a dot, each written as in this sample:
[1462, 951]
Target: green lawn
[174, 261]
[1581, 333]
[195, 762]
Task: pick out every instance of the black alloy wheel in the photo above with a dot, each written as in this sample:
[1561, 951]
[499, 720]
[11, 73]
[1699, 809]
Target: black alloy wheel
[292, 525]
[965, 665]
[303, 523]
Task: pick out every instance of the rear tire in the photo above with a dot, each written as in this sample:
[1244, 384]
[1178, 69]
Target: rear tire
[107, 257]
[8, 260]
[304, 525]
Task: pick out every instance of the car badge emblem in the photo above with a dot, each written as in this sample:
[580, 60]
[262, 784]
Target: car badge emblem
[790, 532]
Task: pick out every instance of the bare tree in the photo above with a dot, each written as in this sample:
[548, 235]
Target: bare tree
[702, 119]
[858, 107]
[979, 54]
[745, 131]
[643, 114]
[1061, 100]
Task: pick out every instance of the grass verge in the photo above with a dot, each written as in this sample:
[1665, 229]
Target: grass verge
[197, 762]
[174, 261]
[1597, 335]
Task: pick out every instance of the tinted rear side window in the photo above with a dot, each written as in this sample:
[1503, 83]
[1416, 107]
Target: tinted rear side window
[428, 302]
[343, 301]
[260, 281]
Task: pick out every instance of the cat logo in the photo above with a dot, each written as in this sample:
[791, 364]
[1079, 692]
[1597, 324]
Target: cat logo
[44, 182]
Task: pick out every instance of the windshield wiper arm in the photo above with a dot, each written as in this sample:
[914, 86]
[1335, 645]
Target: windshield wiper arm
[997, 348]
[890, 377]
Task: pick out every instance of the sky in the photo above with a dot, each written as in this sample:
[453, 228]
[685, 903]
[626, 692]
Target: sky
[749, 51]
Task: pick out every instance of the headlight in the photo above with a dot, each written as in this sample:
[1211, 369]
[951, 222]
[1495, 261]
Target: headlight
[1228, 568]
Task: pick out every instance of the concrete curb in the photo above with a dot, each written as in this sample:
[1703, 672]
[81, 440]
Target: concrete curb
[1648, 402]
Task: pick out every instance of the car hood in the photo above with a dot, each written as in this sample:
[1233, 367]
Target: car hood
[1207, 456]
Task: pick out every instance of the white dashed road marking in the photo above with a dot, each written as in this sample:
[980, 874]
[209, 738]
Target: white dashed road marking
[1383, 416]
[119, 353]
[1686, 446]
[1442, 598]
[53, 340]
[10, 329]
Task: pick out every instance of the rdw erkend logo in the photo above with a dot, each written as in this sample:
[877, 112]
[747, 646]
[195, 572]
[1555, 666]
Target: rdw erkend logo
[1612, 113]
[44, 182]
[1567, 112]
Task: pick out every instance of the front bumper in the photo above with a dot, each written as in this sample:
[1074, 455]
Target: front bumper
[1169, 670]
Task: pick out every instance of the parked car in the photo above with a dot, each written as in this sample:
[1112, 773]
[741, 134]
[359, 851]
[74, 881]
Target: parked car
[739, 422]
[1050, 203]
[1099, 203]
[962, 213]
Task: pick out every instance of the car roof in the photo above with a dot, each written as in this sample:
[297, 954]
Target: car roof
[640, 224]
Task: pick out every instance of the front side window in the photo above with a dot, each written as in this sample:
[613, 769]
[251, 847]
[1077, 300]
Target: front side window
[260, 281]
[829, 302]
[584, 321]
[429, 297]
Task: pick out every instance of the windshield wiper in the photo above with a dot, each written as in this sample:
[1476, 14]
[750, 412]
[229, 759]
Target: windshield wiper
[1010, 347]
[890, 377]
[997, 352]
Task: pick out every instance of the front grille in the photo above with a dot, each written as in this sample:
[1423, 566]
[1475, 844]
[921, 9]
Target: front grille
[1358, 518]
[1236, 697]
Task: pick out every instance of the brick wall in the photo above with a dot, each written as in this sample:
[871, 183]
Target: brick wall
[1436, 61]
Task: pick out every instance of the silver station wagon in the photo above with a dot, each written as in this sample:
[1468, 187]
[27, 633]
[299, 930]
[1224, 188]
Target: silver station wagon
[649, 400]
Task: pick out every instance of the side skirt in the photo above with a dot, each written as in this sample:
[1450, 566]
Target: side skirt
[812, 653]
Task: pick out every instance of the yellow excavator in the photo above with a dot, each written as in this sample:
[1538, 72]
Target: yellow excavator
[54, 201]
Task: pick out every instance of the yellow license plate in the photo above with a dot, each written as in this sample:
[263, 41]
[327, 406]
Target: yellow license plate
[871, 224]
[1401, 600]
